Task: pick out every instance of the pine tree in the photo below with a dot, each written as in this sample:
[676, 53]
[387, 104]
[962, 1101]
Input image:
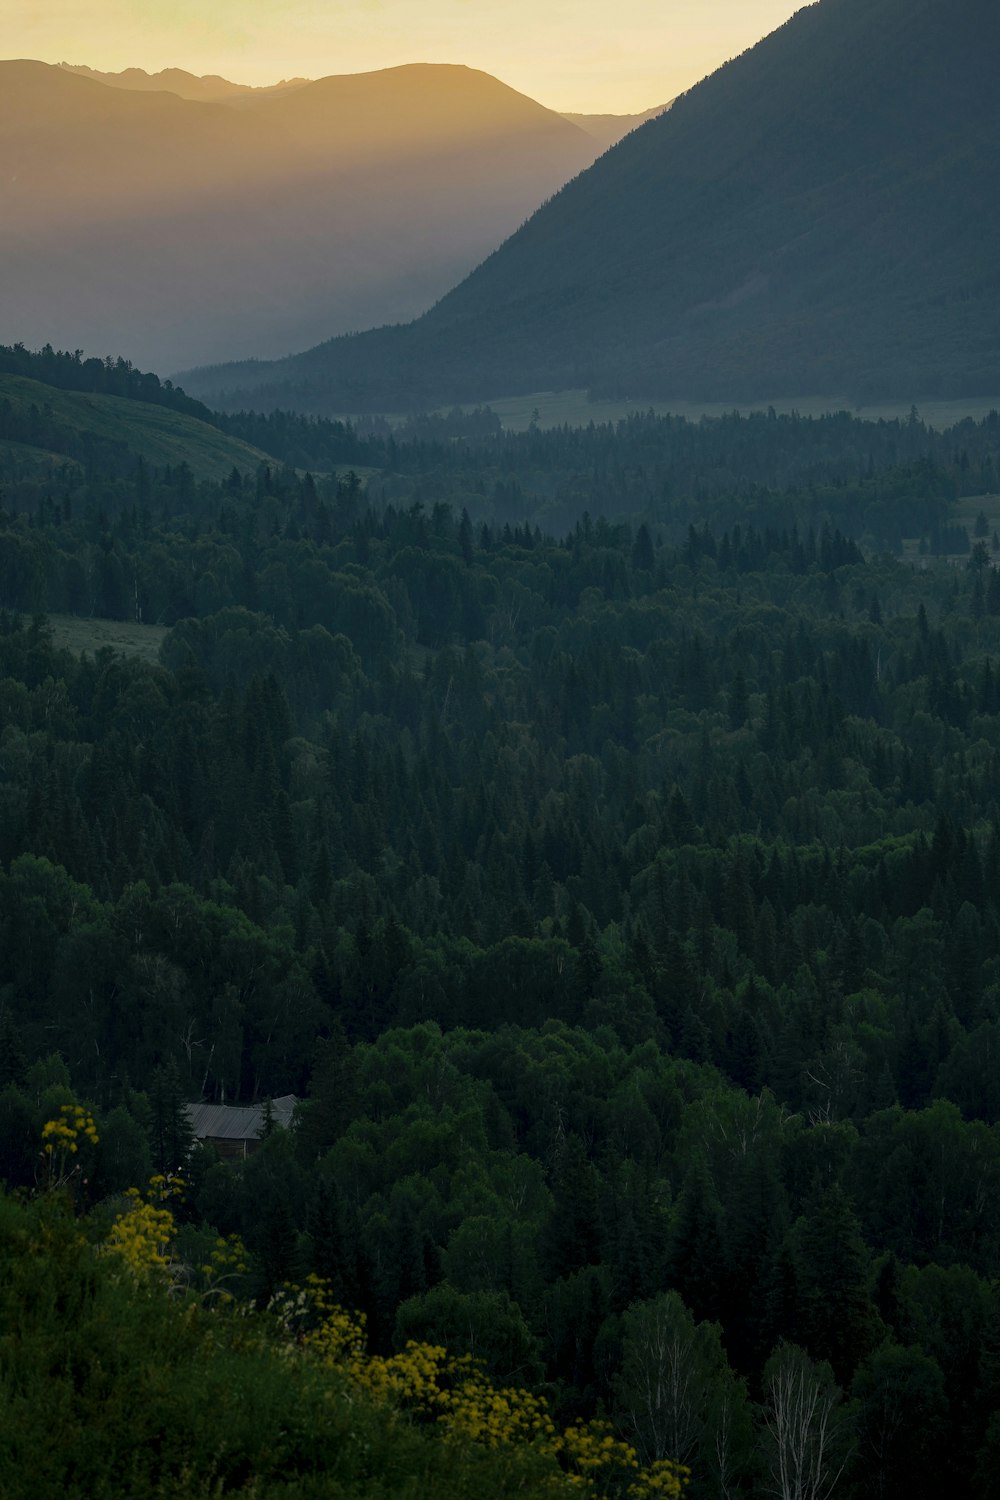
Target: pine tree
[465, 538]
[834, 1315]
[695, 1258]
[573, 1235]
[170, 1133]
[739, 700]
[643, 557]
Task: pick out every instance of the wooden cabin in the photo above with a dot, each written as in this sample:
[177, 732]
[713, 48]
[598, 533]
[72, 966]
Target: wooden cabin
[236, 1130]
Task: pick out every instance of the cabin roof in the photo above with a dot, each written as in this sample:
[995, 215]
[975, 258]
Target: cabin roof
[237, 1122]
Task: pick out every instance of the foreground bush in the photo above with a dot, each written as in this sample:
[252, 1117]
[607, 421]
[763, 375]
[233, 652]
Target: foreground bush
[114, 1384]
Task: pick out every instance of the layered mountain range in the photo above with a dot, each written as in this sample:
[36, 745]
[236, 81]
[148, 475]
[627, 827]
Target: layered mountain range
[818, 216]
[207, 88]
[211, 89]
[186, 219]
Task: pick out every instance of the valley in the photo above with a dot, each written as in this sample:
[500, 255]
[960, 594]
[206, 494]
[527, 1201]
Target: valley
[500, 872]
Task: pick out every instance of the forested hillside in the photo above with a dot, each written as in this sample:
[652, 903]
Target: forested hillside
[103, 417]
[813, 219]
[619, 894]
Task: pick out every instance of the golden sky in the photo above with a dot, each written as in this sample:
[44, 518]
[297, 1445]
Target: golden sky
[615, 56]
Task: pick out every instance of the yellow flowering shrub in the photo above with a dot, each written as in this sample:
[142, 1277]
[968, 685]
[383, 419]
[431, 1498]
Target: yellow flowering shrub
[165, 1188]
[599, 1459]
[454, 1392]
[662, 1480]
[143, 1233]
[227, 1259]
[476, 1409]
[62, 1138]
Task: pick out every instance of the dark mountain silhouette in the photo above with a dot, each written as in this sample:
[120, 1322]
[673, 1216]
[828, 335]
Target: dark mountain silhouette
[186, 231]
[819, 216]
[609, 129]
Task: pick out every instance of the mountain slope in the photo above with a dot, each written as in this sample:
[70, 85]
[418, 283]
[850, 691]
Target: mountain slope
[609, 129]
[818, 216]
[41, 425]
[186, 231]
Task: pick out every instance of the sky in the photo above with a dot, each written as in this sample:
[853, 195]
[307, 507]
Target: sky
[585, 55]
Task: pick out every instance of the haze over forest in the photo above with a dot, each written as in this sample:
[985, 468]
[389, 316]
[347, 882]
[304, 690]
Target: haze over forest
[187, 219]
[813, 219]
[500, 924]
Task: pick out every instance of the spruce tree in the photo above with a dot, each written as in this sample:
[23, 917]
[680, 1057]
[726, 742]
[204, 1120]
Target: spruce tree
[170, 1134]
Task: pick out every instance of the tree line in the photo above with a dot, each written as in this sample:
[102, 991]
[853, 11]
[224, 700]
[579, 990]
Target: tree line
[622, 903]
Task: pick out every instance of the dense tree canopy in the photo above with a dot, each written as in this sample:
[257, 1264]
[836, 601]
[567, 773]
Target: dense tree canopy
[623, 905]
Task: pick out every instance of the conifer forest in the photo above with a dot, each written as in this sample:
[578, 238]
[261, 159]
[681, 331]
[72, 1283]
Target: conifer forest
[598, 832]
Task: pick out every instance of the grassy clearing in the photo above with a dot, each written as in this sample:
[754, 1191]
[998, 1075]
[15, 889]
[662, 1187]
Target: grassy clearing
[966, 512]
[162, 436]
[968, 509]
[574, 409]
[22, 461]
[124, 636]
[341, 471]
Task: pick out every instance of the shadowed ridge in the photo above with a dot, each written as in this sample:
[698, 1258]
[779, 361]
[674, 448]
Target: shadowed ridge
[818, 215]
[188, 231]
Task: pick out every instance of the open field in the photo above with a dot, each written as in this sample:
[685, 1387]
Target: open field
[125, 636]
[970, 506]
[21, 460]
[162, 436]
[341, 471]
[574, 409]
[966, 511]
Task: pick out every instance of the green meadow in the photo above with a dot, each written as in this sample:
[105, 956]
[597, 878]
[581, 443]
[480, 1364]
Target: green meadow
[123, 636]
[160, 435]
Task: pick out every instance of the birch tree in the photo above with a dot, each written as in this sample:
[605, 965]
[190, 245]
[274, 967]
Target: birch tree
[803, 1426]
[676, 1396]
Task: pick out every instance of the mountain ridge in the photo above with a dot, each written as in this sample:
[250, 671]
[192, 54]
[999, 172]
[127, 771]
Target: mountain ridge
[189, 230]
[812, 217]
[211, 87]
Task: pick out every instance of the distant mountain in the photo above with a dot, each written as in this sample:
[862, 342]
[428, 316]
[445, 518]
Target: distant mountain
[186, 231]
[420, 109]
[819, 216]
[208, 88]
[609, 129]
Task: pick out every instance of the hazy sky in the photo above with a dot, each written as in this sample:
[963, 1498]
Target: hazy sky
[598, 55]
